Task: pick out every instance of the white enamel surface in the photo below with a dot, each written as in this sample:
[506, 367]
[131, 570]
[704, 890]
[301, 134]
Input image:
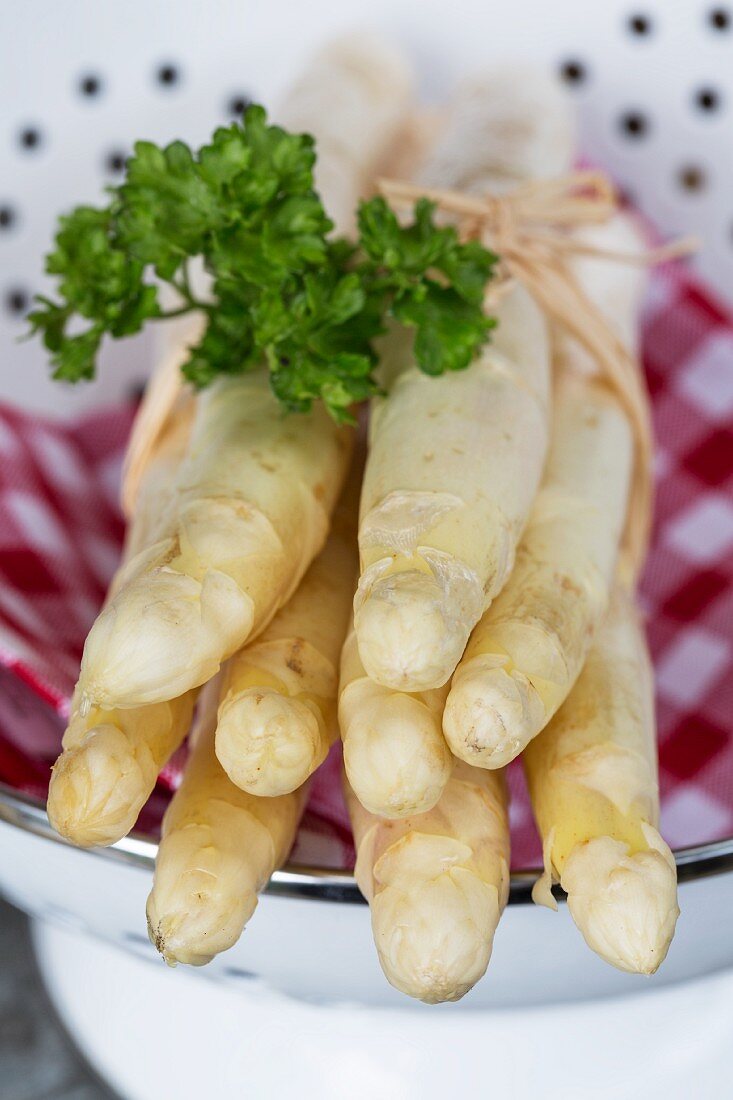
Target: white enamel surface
[322, 951]
[156, 1034]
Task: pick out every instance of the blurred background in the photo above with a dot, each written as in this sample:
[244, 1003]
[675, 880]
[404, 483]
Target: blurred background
[38, 1060]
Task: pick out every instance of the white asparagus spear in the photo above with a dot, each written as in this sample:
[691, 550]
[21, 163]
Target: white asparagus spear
[526, 652]
[515, 125]
[592, 776]
[617, 289]
[111, 758]
[253, 501]
[357, 111]
[257, 488]
[277, 710]
[165, 402]
[395, 755]
[455, 461]
[218, 850]
[436, 884]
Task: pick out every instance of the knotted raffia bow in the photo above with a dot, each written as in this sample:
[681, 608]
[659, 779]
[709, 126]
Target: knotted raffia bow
[530, 230]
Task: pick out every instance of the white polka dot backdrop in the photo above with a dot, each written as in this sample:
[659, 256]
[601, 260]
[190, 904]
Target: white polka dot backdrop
[81, 80]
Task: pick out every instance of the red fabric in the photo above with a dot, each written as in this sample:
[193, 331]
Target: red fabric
[60, 534]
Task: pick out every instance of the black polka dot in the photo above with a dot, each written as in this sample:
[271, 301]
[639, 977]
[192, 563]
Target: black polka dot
[707, 99]
[639, 24]
[692, 178]
[30, 137]
[16, 301]
[8, 217]
[90, 85]
[573, 71]
[238, 104]
[634, 124]
[719, 19]
[115, 162]
[168, 75]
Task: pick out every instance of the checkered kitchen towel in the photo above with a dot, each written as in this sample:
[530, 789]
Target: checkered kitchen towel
[60, 534]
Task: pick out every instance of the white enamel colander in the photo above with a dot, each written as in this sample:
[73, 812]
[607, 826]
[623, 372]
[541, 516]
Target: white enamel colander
[300, 1004]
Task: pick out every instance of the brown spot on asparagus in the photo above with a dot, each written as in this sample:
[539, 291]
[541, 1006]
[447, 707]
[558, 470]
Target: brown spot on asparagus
[295, 661]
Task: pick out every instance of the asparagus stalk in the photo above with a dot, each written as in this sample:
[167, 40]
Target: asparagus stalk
[111, 758]
[455, 461]
[616, 289]
[277, 710]
[527, 651]
[165, 405]
[592, 776]
[357, 110]
[436, 884]
[515, 125]
[218, 849]
[253, 499]
[256, 490]
[395, 755]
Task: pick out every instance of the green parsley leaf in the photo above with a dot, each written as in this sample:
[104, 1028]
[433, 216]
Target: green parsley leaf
[284, 293]
[404, 263]
[448, 332]
[76, 356]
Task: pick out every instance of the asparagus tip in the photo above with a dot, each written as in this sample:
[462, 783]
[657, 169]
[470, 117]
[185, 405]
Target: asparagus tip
[195, 927]
[268, 743]
[490, 716]
[395, 756]
[434, 938]
[410, 638]
[625, 904]
[97, 789]
[163, 633]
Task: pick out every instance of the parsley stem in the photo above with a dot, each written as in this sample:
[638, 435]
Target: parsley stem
[179, 312]
[183, 285]
[183, 288]
[186, 280]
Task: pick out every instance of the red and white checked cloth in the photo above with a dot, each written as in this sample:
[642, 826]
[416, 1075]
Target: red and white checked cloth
[60, 534]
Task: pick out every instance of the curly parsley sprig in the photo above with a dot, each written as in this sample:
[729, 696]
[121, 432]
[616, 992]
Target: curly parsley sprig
[283, 291]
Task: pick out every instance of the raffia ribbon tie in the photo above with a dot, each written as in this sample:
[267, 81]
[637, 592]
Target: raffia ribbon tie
[532, 231]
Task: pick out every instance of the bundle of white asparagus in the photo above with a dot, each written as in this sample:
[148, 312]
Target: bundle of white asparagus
[463, 597]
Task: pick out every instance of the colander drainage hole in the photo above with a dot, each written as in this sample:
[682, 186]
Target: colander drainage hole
[639, 24]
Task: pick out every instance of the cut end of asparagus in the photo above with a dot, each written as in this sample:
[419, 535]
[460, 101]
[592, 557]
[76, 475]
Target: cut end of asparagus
[267, 742]
[395, 756]
[410, 637]
[433, 922]
[490, 716]
[624, 905]
[162, 635]
[97, 789]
